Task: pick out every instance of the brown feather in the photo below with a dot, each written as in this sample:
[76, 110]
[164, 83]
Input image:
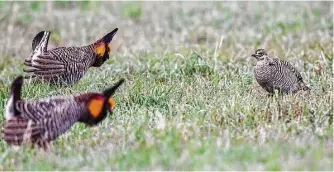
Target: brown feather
[18, 130]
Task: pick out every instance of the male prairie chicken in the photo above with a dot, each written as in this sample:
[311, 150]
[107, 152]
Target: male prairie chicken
[276, 74]
[41, 121]
[65, 65]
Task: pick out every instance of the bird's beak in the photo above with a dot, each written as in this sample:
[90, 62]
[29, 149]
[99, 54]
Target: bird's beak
[253, 55]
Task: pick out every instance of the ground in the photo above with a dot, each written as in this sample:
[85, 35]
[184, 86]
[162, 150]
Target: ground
[190, 101]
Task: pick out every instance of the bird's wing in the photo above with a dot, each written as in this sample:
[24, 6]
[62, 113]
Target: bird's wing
[18, 130]
[293, 70]
[45, 65]
[55, 116]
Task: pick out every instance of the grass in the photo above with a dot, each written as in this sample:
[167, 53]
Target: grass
[190, 102]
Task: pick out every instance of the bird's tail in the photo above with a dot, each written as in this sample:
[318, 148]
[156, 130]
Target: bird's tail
[41, 40]
[14, 96]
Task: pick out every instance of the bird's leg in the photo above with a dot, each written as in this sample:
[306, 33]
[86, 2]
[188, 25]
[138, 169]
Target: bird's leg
[43, 144]
[269, 97]
[278, 107]
[46, 146]
[278, 96]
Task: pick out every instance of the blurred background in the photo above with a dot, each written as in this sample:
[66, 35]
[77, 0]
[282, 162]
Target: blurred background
[146, 27]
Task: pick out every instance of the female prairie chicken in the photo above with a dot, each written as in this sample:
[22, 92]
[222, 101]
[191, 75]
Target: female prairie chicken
[276, 74]
[65, 65]
[41, 121]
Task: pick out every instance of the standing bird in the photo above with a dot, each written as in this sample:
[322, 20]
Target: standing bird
[276, 74]
[40, 121]
[65, 65]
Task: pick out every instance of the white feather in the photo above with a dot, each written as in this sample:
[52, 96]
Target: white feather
[9, 109]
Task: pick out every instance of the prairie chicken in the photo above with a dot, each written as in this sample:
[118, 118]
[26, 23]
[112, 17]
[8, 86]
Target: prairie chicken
[276, 74]
[38, 122]
[65, 65]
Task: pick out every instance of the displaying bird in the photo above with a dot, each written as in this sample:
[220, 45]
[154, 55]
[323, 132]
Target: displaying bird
[40, 121]
[65, 65]
[276, 74]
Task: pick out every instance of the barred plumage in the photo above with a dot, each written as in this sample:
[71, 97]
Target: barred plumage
[65, 65]
[276, 74]
[41, 121]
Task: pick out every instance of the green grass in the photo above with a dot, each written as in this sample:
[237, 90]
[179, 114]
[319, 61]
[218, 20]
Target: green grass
[191, 105]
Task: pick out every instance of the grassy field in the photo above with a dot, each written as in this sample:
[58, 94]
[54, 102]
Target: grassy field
[190, 101]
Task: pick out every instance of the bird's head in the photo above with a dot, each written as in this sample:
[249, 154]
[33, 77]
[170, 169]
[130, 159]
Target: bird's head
[102, 48]
[98, 104]
[262, 57]
[260, 54]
